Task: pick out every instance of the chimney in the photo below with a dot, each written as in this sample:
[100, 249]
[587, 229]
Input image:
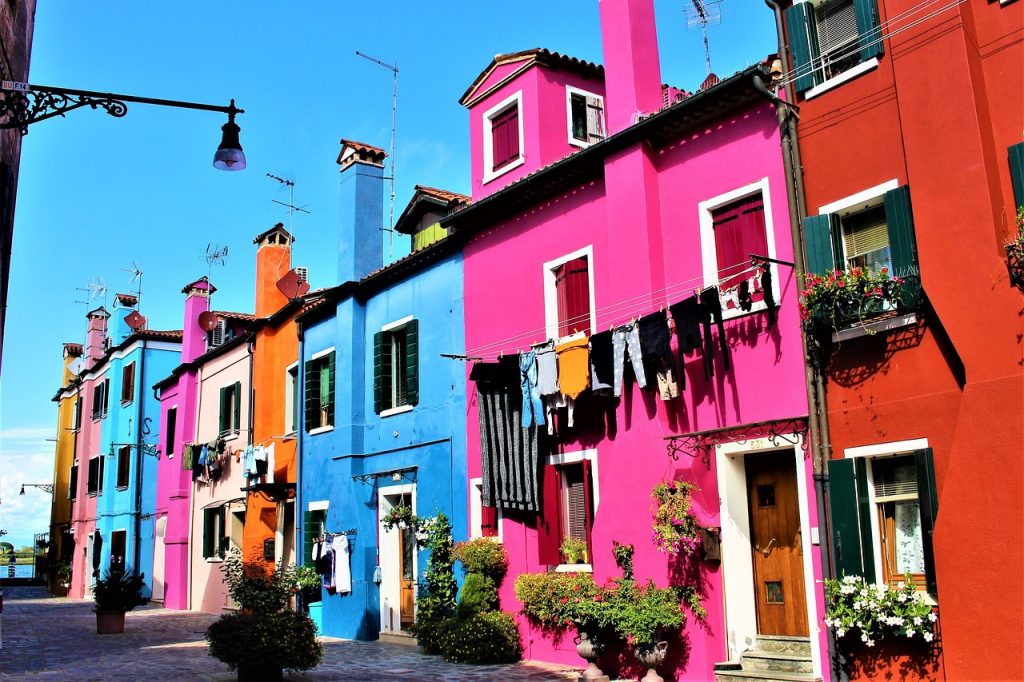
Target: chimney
[126, 304]
[95, 336]
[632, 70]
[361, 240]
[72, 352]
[273, 260]
[197, 302]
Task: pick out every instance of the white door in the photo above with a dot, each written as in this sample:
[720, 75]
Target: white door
[158, 559]
[396, 551]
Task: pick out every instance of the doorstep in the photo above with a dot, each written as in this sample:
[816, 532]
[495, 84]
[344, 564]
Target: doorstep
[397, 637]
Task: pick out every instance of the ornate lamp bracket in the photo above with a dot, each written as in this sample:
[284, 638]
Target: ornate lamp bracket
[21, 108]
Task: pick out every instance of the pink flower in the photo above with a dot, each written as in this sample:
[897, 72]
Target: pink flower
[841, 283]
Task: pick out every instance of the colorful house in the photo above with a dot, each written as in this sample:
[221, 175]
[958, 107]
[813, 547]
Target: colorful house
[382, 414]
[69, 416]
[924, 396]
[600, 197]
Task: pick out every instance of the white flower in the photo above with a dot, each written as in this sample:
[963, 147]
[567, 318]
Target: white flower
[928, 636]
[910, 633]
[900, 585]
[917, 620]
[869, 642]
[901, 597]
[857, 605]
[864, 638]
[840, 632]
[931, 617]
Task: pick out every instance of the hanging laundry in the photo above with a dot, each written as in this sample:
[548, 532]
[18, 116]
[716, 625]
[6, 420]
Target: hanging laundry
[547, 369]
[214, 470]
[623, 338]
[329, 561]
[533, 410]
[687, 316]
[341, 569]
[259, 456]
[197, 468]
[573, 366]
[602, 363]
[271, 463]
[656, 351]
[769, 295]
[712, 312]
[249, 462]
[187, 455]
[204, 454]
[745, 298]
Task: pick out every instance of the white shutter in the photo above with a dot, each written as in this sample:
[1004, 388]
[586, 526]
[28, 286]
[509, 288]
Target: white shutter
[595, 118]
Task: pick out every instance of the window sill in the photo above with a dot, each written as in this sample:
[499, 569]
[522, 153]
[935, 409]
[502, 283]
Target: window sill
[126, 403]
[321, 429]
[392, 411]
[847, 75]
[121, 487]
[231, 436]
[495, 174]
[733, 313]
[291, 435]
[213, 560]
[871, 328]
[574, 568]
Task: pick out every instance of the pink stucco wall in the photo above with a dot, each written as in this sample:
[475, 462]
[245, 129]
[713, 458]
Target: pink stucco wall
[83, 510]
[634, 263]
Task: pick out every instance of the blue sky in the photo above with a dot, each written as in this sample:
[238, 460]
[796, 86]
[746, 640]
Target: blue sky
[97, 193]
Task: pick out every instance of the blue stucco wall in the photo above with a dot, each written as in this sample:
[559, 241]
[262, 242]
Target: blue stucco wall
[430, 437]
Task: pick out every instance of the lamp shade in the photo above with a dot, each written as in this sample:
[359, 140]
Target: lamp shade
[229, 156]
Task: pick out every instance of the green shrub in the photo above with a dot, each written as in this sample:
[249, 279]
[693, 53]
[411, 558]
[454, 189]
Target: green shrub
[430, 634]
[644, 613]
[479, 593]
[254, 588]
[483, 555]
[574, 551]
[484, 638]
[436, 598]
[117, 591]
[268, 640]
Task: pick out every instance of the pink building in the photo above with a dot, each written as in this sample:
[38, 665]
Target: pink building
[600, 197]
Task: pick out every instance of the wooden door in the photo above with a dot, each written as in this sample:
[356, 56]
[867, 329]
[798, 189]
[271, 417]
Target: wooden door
[406, 565]
[775, 544]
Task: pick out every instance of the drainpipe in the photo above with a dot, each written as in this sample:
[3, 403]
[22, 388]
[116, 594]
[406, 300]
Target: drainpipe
[139, 455]
[300, 530]
[821, 447]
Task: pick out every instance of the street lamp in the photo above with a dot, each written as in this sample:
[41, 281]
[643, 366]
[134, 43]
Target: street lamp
[22, 104]
[45, 487]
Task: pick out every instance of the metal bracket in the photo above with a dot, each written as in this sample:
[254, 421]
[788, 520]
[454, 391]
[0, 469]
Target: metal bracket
[19, 109]
[701, 443]
[407, 475]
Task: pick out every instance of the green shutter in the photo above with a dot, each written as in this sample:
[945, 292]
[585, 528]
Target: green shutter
[851, 518]
[312, 528]
[900, 222]
[236, 423]
[928, 502]
[800, 30]
[331, 368]
[412, 369]
[311, 393]
[378, 372]
[207, 533]
[223, 418]
[818, 233]
[222, 532]
[868, 28]
[1016, 153]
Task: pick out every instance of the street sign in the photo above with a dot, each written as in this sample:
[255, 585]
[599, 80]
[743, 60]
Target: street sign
[16, 86]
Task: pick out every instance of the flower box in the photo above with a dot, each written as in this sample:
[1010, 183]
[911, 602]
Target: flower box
[891, 658]
[855, 298]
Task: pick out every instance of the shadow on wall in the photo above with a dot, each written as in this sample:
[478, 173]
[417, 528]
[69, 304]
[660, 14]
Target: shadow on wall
[892, 659]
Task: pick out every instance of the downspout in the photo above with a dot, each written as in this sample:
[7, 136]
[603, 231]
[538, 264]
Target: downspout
[136, 553]
[299, 534]
[821, 447]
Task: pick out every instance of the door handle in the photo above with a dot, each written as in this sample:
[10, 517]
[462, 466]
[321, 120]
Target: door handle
[767, 548]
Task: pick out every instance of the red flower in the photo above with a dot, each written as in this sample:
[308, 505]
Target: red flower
[841, 283]
[565, 600]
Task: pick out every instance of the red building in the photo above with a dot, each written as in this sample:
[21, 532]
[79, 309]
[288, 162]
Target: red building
[910, 119]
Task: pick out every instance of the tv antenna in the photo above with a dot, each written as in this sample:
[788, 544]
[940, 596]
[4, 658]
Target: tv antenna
[394, 116]
[95, 289]
[702, 13]
[292, 208]
[215, 255]
[136, 272]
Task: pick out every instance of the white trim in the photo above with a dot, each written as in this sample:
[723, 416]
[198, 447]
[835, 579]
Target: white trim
[397, 323]
[551, 295]
[476, 514]
[589, 454]
[574, 568]
[488, 152]
[392, 411]
[289, 405]
[386, 561]
[106, 361]
[709, 253]
[321, 429]
[836, 81]
[318, 505]
[569, 92]
[869, 328]
[320, 353]
[859, 201]
[897, 447]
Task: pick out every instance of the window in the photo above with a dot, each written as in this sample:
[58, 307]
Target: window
[95, 482]
[569, 294]
[100, 399]
[313, 524]
[73, 482]
[230, 408]
[214, 532]
[872, 229]
[76, 414]
[483, 521]
[128, 383]
[567, 509]
[291, 393]
[1016, 156]
[118, 545]
[586, 116]
[503, 137]
[396, 366]
[172, 423]
[320, 391]
[883, 513]
[829, 38]
[124, 463]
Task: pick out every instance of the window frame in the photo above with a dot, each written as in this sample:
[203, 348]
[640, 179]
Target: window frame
[73, 481]
[229, 423]
[215, 537]
[804, 48]
[476, 514]
[326, 357]
[76, 413]
[709, 251]
[124, 465]
[128, 382]
[489, 171]
[123, 533]
[387, 398]
[552, 321]
[292, 395]
[570, 92]
[170, 430]
[558, 461]
[100, 399]
[98, 489]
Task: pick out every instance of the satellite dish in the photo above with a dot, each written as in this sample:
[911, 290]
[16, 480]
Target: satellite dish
[292, 286]
[208, 320]
[135, 320]
[75, 366]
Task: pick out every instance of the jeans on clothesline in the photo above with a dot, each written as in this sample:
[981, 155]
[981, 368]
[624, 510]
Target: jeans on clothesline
[533, 409]
[624, 338]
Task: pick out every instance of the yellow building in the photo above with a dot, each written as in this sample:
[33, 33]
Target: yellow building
[69, 419]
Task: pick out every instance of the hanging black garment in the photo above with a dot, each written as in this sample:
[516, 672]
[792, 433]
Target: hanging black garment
[197, 468]
[602, 364]
[655, 347]
[746, 299]
[712, 307]
[769, 295]
[687, 316]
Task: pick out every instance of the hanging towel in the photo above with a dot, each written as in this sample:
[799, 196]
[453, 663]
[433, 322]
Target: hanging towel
[271, 463]
[547, 369]
[342, 570]
[249, 462]
[260, 458]
[187, 455]
[712, 308]
[573, 366]
[768, 294]
[687, 316]
[602, 362]
[655, 348]
[533, 410]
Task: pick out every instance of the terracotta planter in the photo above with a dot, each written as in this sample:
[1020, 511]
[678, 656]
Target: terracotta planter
[891, 658]
[589, 649]
[259, 673]
[651, 656]
[109, 622]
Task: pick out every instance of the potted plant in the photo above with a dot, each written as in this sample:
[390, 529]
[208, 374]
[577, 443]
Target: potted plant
[116, 593]
[841, 299]
[1015, 252]
[574, 551]
[644, 615]
[401, 516]
[675, 524]
[307, 585]
[63, 577]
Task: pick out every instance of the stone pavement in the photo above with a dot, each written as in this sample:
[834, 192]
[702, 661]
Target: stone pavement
[46, 638]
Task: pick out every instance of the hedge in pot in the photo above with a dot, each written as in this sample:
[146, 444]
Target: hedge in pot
[435, 600]
[116, 593]
[265, 637]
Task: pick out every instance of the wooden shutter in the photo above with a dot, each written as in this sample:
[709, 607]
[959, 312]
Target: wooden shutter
[128, 382]
[739, 230]
[378, 372]
[572, 291]
[928, 503]
[222, 422]
[73, 482]
[106, 396]
[412, 364]
[588, 507]
[311, 395]
[868, 28]
[549, 521]
[798, 26]
[851, 518]
[236, 418]
[900, 220]
[330, 388]
[172, 419]
[312, 528]
[488, 521]
[222, 531]
[595, 119]
[123, 466]
[1016, 154]
[505, 137]
[818, 231]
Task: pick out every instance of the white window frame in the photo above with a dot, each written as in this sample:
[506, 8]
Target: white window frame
[291, 388]
[488, 152]
[564, 458]
[871, 197]
[569, 92]
[316, 356]
[391, 326]
[551, 292]
[476, 504]
[709, 253]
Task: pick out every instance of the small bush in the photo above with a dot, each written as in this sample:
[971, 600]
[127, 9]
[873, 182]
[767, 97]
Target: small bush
[483, 638]
[269, 640]
[430, 634]
[485, 556]
[479, 593]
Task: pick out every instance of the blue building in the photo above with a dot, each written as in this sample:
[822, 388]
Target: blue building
[126, 495]
[383, 415]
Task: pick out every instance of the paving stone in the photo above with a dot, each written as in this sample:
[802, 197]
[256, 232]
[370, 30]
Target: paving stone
[46, 638]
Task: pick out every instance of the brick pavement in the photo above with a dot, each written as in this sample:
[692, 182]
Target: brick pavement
[45, 638]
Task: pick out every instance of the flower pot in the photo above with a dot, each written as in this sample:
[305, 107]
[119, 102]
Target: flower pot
[651, 656]
[891, 657]
[589, 649]
[109, 622]
[262, 673]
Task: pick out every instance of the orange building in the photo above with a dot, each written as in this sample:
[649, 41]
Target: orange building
[69, 412]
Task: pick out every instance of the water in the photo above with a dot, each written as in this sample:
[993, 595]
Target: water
[20, 571]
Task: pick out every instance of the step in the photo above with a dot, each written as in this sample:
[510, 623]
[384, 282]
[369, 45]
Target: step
[767, 675]
[393, 637]
[784, 644]
[776, 661]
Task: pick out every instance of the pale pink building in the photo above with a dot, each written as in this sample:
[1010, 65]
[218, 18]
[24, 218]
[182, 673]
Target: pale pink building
[601, 196]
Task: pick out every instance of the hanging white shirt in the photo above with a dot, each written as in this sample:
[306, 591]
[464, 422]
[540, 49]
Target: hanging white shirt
[342, 570]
